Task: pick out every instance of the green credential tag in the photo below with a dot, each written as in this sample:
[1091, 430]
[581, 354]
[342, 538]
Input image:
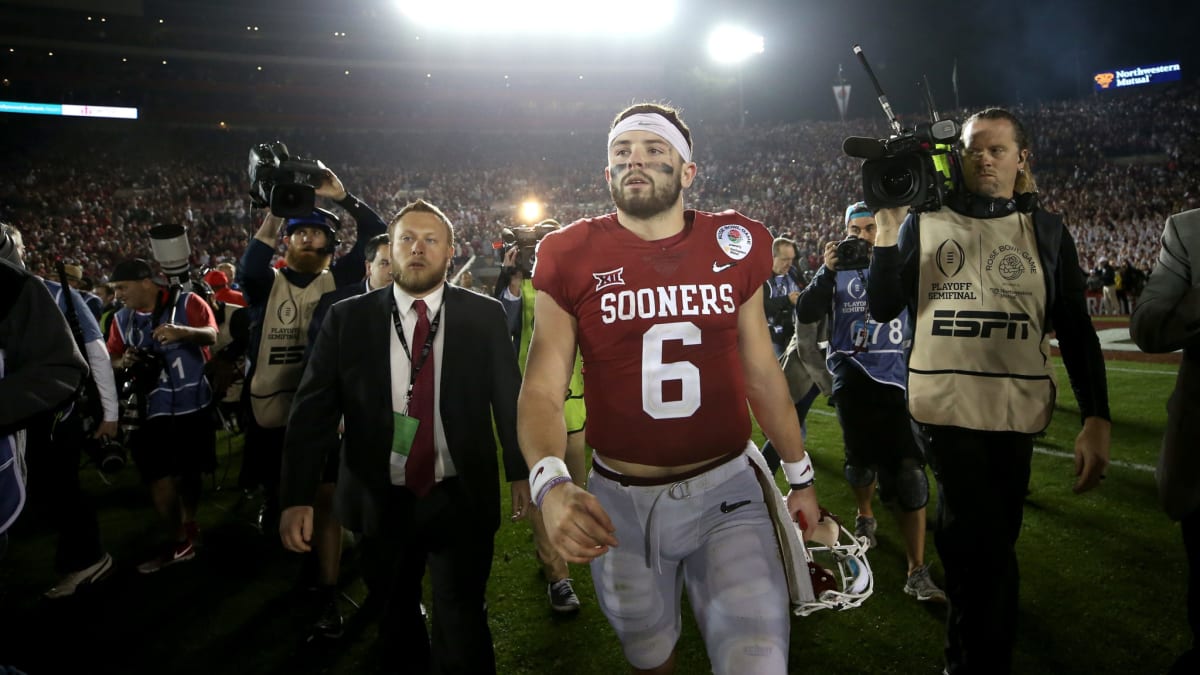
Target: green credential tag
[404, 430]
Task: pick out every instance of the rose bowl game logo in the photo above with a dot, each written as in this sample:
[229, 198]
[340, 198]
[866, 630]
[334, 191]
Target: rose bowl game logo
[735, 240]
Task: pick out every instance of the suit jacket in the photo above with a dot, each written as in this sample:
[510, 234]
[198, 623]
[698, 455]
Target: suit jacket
[1167, 318]
[349, 374]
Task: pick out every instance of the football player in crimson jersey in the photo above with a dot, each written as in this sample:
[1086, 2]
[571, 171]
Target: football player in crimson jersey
[665, 305]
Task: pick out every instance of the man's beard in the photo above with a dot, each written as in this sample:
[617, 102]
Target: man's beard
[307, 262]
[659, 199]
[419, 281]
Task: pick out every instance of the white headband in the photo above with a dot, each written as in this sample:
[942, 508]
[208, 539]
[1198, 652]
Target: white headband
[657, 125]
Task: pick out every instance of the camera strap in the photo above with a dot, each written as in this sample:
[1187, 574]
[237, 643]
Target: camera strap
[861, 331]
[415, 366]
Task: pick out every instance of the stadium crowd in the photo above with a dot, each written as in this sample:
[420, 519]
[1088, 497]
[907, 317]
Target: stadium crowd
[1115, 167]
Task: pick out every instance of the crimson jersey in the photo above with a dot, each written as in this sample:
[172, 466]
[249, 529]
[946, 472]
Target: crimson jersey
[657, 326]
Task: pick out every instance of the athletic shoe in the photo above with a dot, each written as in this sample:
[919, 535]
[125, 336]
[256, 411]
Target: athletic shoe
[920, 585]
[562, 596]
[177, 552]
[864, 526]
[88, 575]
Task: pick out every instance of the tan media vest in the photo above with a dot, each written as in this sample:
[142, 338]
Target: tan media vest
[980, 359]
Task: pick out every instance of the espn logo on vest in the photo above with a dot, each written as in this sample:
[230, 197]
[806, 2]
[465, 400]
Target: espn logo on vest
[980, 324]
[286, 356]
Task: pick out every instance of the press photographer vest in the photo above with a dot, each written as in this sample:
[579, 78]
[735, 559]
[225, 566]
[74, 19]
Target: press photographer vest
[980, 357]
[886, 343]
[181, 387]
[12, 472]
[281, 348]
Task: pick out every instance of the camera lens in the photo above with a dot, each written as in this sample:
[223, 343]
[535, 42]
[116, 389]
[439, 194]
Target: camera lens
[897, 182]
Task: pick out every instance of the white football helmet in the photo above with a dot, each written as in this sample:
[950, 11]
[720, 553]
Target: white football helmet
[837, 563]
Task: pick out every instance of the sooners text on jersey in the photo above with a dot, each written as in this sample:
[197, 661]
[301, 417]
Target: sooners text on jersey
[657, 326]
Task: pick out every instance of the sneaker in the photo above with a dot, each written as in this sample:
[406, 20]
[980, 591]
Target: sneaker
[864, 527]
[562, 596]
[920, 585]
[329, 625]
[177, 552]
[88, 575]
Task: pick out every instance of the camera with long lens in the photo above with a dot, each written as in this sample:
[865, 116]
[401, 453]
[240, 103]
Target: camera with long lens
[526, 238]
[106, 453]
[172, 252]
[284, 183]
[145, 368]
[914, 168]
[853, 253]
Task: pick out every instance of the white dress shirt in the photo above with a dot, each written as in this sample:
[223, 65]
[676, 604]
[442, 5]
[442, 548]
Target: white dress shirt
[401, 366]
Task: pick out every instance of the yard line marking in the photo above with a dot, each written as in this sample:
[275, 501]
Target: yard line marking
[1116, 462]
[1047, 451]
[1118, 369]
[1140, 370]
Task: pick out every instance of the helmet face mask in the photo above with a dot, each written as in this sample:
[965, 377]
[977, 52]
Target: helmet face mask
[837, 562]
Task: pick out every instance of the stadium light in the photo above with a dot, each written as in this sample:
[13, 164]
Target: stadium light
[731, 45]
[531, 211]
[554, 17]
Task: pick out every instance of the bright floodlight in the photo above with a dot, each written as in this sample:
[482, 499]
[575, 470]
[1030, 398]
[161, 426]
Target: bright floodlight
[531, 211]
[729, 44]
[537, 16]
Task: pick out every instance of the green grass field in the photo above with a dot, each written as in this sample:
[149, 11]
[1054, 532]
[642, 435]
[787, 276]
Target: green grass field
[1103, 580]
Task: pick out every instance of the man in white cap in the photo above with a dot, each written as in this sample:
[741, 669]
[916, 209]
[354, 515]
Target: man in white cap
[665, 305]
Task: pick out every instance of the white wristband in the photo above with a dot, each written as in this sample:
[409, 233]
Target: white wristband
[548, 472]
[799, 474]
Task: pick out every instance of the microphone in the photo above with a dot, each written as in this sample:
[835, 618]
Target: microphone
[863, 147]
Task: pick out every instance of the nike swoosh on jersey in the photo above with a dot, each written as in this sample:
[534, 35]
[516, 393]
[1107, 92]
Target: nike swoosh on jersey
[726, 507]
[721, 268]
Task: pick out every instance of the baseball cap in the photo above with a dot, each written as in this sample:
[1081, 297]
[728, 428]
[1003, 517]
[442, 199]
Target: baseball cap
[318, 218]
[216, 279]
[132, 270]
[858, 210]
[74, 271]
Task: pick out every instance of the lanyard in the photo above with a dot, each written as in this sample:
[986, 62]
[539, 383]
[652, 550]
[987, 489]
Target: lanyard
[425, 348]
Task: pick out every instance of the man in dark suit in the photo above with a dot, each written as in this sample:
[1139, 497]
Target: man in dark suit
[1167, 317]
[418, 474]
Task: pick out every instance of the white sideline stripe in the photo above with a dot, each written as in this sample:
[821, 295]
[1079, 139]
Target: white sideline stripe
[1141, 370]
[1116, 462]
[1046, 451]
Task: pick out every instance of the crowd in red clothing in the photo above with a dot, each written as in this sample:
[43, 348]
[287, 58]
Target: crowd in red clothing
[1114, 167]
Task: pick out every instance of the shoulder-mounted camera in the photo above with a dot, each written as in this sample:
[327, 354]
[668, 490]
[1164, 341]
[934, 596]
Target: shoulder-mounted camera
[917, 168]
[288, 185]
[526, 238]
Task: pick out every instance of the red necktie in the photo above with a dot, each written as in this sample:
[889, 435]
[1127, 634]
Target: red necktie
[418, 470]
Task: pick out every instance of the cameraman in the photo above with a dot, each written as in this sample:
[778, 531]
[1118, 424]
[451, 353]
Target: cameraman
[780, 293]
[160, 340]
[281, 304]
[57, 438]
[866, 359]
[985, 279]
[514, 289]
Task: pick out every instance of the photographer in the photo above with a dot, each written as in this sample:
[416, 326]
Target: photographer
[985, 279]
[866, 359]
[780, 293]
[514, 289]
[56, 439]
[281, 304]
[159, 341]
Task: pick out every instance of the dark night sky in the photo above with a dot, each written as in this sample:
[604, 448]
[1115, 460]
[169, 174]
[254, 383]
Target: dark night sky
[1007, 50]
